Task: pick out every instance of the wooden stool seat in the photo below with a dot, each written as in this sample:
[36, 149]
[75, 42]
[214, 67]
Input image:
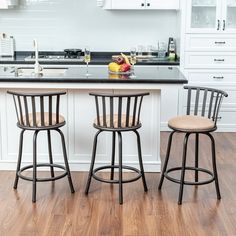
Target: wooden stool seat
[113, 123]
[190, 123]
[43, 120]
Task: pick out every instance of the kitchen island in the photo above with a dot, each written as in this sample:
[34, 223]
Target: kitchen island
[78, 108]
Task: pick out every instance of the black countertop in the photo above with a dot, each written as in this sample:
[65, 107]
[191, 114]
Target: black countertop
[153, 75]
[98, 58]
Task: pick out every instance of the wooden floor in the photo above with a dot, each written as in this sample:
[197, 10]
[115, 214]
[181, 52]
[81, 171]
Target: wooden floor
[57, 212]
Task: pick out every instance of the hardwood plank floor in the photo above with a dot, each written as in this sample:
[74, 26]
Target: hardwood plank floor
[57, 212]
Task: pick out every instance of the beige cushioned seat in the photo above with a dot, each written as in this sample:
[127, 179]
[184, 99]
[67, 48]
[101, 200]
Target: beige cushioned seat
[46, 119]
[190, 123]
[115, 121]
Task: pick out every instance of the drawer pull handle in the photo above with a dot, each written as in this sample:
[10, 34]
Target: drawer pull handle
[219, 117]
[219, 60]
[218, 77]
[220, 42]
[218, 25]
[224, 25]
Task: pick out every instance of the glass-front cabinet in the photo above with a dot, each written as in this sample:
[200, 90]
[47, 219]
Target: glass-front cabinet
[211, 16]
[229, 21]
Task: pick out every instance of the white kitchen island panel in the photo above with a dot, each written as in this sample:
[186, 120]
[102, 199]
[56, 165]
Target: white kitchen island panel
[81, 108]
[164, 85]
[78, 108]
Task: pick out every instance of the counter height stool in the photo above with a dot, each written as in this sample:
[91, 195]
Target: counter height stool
[40, 112]
[203, 105]
[117, 113]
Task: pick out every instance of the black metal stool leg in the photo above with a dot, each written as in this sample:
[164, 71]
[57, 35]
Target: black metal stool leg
[50, 152]
[183, 168]
[113, 154]
[34, 165]
[140, 160]
[166, 159]
[120, 169]
[92, 161]
[19, 158]
[196, 156]
[66, 160]
[214, 166]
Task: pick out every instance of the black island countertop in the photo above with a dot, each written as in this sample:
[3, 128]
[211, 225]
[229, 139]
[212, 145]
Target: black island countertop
[99, 74]
[97, 58]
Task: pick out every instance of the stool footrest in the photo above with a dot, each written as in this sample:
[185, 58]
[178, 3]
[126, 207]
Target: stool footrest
[19, 173]
[116, 167]
[190, 182]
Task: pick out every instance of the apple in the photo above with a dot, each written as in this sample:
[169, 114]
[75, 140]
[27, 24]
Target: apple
[125, 67]
[120, 60]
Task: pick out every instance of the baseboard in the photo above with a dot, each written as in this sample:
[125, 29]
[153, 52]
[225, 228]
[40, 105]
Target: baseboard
[78, 166]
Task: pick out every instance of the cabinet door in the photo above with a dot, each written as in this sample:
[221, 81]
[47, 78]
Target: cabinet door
[204, 16]
[160, 4]
[229, 16]
[128, 4]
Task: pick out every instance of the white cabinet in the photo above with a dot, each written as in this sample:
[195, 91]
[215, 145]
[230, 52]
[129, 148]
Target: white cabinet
[5, 4]
[208, 16]
[141, 4]
[208, 51]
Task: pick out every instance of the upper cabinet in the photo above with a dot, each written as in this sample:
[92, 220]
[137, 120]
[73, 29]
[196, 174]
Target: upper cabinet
[211, 16]
[5, 4]
[141, 4]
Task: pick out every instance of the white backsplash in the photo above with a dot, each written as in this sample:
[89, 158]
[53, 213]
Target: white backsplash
[59, 24]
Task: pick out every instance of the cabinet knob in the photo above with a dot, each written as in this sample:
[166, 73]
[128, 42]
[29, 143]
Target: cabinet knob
[142, 4]
[148, 4]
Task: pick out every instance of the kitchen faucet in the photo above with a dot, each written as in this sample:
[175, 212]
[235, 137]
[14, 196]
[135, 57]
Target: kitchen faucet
[37, 68]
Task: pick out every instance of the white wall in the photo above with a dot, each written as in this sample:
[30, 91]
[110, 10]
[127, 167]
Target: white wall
[59, 24]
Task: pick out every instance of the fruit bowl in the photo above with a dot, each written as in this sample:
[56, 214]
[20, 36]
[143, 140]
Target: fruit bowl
[120, 65]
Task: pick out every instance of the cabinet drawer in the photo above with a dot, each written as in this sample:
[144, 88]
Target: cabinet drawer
[212, 77]
[210, 43]
[227, 118]
[210, 60]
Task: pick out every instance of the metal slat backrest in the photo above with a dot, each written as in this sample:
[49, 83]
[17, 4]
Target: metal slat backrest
[204, 102]
[37, 110]
[118, 110]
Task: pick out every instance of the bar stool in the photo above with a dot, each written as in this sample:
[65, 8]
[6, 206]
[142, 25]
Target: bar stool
[40, 112]
[117, 113]
[203, 105]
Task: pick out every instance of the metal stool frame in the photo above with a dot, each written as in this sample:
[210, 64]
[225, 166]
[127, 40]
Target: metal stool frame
[208, 107]
[130, 104]
[24, 102]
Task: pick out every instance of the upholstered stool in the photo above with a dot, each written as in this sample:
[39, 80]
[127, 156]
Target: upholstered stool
[117, 114]
[40, 112]
[203, 105]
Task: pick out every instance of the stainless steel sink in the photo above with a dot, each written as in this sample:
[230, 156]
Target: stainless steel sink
[47, 72]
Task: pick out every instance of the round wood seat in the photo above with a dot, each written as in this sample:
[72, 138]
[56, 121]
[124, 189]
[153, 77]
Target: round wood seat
[191, 123]
[43, 121]
[114, 123]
